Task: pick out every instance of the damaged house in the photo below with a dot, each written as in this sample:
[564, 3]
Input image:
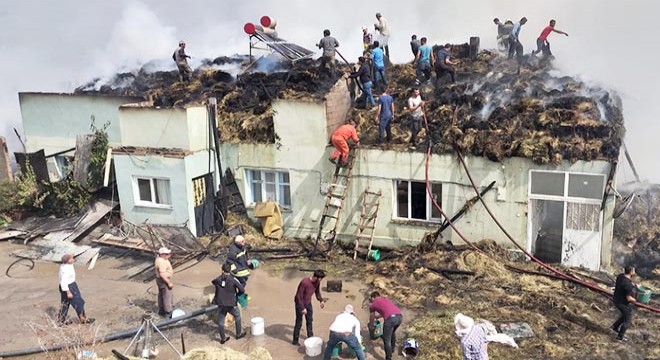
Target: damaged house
[541, 148]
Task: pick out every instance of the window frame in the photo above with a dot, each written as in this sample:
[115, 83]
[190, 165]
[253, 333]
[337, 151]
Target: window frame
[152, 186]
[564, 197]
[249, 182]
[429, 203]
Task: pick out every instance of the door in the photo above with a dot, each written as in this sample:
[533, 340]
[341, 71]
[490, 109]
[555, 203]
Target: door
[204, 201]
[582, 235]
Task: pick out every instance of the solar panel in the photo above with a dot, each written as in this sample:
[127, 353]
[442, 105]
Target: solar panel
[288, 50]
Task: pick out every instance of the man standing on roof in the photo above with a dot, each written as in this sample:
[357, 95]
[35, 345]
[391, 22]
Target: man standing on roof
[381, 306]
[180, 58]
[367, 38]
[384, 116]
[303, 303]
[339, 140]
[443, 64]
[328, 44]
[238, 260]
[164, 273]
[383, 27]
[424, 58]
[515, 47]
[345, 328]
[378, 58]
[414, 44]
[364, 76]
[542, 43]
[623, 297]
[69, 293]
[502, 34]
[415, 105]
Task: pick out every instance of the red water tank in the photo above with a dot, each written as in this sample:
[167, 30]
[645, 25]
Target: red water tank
[267, 21]
[249, 28]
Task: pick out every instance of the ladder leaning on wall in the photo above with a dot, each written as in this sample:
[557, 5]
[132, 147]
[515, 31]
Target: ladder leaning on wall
[367, 222]
[334, 203]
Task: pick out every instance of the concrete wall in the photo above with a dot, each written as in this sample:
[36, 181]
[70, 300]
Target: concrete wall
[52, 121]
[5, 162]
[337, 104]
[164, 127]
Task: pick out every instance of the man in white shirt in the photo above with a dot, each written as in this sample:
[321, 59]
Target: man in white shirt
[345, 328]
[69, 292]
[415, 104]
[383, 28]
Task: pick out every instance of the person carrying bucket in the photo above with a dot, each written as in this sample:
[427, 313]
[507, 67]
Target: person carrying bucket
[345, 328]
[381, 306]
[227, 287]
[623, 297]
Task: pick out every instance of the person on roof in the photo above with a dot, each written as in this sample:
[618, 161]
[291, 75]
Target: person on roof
[542, 43]
[367, 38]
[503, 31]
[515, 46]
[180, 58]
[443, 65]
[364, 76]
[384, 116]
[424, 58]
[415, 44]
[238, 260]
[416, 107]
[378, 58]
[383, 27]
[329, 45]
[339, 140]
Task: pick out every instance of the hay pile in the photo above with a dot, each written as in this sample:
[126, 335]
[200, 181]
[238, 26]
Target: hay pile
[225, 353]
[501, 113]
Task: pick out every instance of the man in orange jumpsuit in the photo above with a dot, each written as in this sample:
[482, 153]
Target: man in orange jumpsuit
[339, 138]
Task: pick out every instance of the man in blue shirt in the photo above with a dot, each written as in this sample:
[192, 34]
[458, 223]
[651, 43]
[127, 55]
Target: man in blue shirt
[378, 58]
[424, 58]
[444, 65]
[515, 47]
[384, 116]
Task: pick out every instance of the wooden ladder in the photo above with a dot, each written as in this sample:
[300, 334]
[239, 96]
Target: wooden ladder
[367, 223]
[334, 202]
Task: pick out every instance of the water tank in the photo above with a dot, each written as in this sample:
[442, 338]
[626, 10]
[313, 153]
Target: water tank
[268, 22]
[249, 28]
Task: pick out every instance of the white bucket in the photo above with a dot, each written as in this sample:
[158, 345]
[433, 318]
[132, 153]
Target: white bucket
[257, 326]
[313, 346]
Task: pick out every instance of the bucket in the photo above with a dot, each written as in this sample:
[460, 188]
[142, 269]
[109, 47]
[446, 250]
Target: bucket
[257, 326]
[373, 255]
[254, 263]
[410, 348]
[644, 294]
[377, 330]
[352, 352]
[336, 350]
[313, 346]
[242, 300]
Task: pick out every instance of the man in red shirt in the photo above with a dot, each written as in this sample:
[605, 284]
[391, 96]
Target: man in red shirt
[303, 303]
[542, 44]
[392, 316]
[339, 138]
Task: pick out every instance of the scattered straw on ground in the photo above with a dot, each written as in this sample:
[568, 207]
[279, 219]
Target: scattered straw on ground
[225, 353]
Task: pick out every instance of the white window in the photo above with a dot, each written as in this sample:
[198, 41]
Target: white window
[557, 185]
[413, 202]
[153, 192]
[264, 185]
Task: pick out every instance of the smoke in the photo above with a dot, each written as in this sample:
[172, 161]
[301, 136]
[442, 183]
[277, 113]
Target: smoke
[56, 46]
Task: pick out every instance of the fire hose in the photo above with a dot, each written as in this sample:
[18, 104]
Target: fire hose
[560, 274]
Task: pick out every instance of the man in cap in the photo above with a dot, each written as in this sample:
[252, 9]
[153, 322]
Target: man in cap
[328, 44]
[180, 58]
[367, 38]
[164, 273]
[474, 344]
[227, 287]
[238, 260]
[307, 287]
[383, 27]
[345, 328]
[381, 306]
[69, 292]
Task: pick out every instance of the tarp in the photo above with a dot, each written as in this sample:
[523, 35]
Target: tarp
[271, 219]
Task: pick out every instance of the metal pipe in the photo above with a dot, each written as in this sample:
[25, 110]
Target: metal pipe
[109, 337]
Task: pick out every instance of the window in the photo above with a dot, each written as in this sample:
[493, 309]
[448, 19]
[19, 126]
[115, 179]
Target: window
[413, 202]
[569, 186]
[265, 185]
[154, 192]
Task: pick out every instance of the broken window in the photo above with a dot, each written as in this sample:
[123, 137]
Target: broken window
[268, 186]
[413, 202]
[152, 192]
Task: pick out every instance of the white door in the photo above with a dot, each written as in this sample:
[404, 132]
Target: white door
[582, 235]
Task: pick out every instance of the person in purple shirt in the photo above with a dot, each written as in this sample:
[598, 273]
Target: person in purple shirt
[384, 116]
[303, 303]
[386, 309]
[378, 58]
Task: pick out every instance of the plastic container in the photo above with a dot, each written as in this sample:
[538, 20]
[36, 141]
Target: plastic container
[644, 294]
[373, 255]
[377, 330]
[177, 313]
[410, 348]
[336, 350]
[352, 352]
[242, 300]
[313, 346]
[254, 263]
[258, 326]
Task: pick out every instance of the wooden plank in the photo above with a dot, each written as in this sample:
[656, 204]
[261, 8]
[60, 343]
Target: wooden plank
[106, 167]
[128, 243]
[10, 234]
[92, 263]
[81, 161]
[97, 211]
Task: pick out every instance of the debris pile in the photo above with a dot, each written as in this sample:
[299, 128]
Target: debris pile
[496, 112]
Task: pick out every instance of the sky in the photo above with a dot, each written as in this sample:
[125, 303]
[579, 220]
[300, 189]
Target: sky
[54, 46]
